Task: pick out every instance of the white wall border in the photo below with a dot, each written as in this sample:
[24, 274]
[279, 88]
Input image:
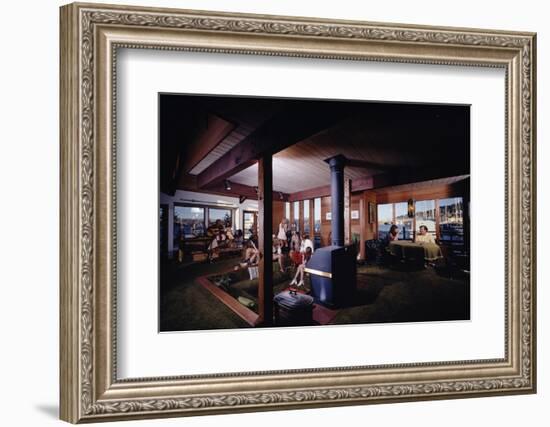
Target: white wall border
[142, 352]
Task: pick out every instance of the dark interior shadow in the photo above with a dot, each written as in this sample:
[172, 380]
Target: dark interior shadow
[50, 410]
[366, 294]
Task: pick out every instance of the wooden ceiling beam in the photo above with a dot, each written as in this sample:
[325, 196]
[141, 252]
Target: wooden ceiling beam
[291, 125]
[208, 138]
[189, 183]
[312, 193]
[405, 176]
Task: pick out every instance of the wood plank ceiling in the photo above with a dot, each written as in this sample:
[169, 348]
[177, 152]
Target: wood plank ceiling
[390, 137]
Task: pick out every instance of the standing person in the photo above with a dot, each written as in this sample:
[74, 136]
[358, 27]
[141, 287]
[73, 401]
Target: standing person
[283, 227]
[306, 256]
[181, 248]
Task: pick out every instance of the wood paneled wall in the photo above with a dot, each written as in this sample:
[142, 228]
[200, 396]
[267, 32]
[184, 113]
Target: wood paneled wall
[429, 193]
[326, 225]
[371, 229]
[278, 215]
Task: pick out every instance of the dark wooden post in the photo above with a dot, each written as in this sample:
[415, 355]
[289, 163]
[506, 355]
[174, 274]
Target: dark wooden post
[363, 225]
[437, 220]
[265, 240]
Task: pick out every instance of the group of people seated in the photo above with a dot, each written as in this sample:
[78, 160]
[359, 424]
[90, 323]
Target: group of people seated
[423, 236]
[222, 237]
[288, 245]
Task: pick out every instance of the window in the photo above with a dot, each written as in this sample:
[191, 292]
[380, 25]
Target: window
[249, 224]
[451, 220]
[306, 217]
[193, 221]
[317, 215]
[425, 215]
[224, 215]
[296, 220]
[395, 213]
[287, 210]
[188, 221]
[403, 222]
[385, 220]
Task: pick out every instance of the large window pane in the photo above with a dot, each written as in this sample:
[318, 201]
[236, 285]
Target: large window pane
[385, 219]
[403, 222]
[317, 215]
[287, 210]
[188, 221]
[425, 215]
[224, 215]
[451, 220]
[249, 224]
[296, 212]
[306, 217]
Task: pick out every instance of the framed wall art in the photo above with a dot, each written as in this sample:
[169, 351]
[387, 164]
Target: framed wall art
[238, 188]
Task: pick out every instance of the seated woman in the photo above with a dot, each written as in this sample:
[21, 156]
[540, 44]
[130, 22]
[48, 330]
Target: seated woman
[423, 236]
[251, 253]
[215, 228]
[239, 238]
[300, 270]
[278, 254]
[306, 243]
[393, 234]
[213, 250]
[295, 243]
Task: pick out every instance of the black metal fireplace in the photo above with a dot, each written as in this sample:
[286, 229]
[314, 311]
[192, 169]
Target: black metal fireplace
[333, 269]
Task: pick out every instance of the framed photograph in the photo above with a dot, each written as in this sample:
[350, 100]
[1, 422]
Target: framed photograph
[238, 188]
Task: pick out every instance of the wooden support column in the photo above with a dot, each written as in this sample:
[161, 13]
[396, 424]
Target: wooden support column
[437, 220]
[265, 240]
[347, 211]
[363, 225]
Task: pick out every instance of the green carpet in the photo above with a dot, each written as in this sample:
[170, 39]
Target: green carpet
[383, 295]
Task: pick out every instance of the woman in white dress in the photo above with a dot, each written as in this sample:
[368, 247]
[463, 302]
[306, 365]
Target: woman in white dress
[283, 227]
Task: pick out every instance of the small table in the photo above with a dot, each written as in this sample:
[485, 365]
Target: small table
[411, 251]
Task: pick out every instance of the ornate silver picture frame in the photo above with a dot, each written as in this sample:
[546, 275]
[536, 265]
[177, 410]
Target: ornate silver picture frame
[90, 388]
